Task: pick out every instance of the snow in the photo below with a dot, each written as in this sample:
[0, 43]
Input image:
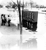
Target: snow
[1, 34]
[15, 47]
[41, 35]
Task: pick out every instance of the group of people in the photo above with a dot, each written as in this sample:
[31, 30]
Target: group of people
[3, 47]
[4, 20]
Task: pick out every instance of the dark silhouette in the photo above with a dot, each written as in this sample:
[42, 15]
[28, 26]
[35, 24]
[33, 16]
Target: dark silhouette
[8, 20]
[34, 26]
[3, 19]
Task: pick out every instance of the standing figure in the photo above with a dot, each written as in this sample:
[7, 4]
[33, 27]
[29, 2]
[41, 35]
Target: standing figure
[9, 20]
[3, 19]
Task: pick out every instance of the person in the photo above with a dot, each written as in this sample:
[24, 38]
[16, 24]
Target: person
[9, 20]
[3, 18]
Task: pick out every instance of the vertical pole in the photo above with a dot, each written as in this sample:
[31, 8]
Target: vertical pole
[19, 9]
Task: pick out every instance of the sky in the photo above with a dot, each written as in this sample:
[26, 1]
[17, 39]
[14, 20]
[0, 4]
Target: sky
[39, 2]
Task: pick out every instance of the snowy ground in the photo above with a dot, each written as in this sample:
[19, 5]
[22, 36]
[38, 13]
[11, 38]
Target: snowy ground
[10, 38]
